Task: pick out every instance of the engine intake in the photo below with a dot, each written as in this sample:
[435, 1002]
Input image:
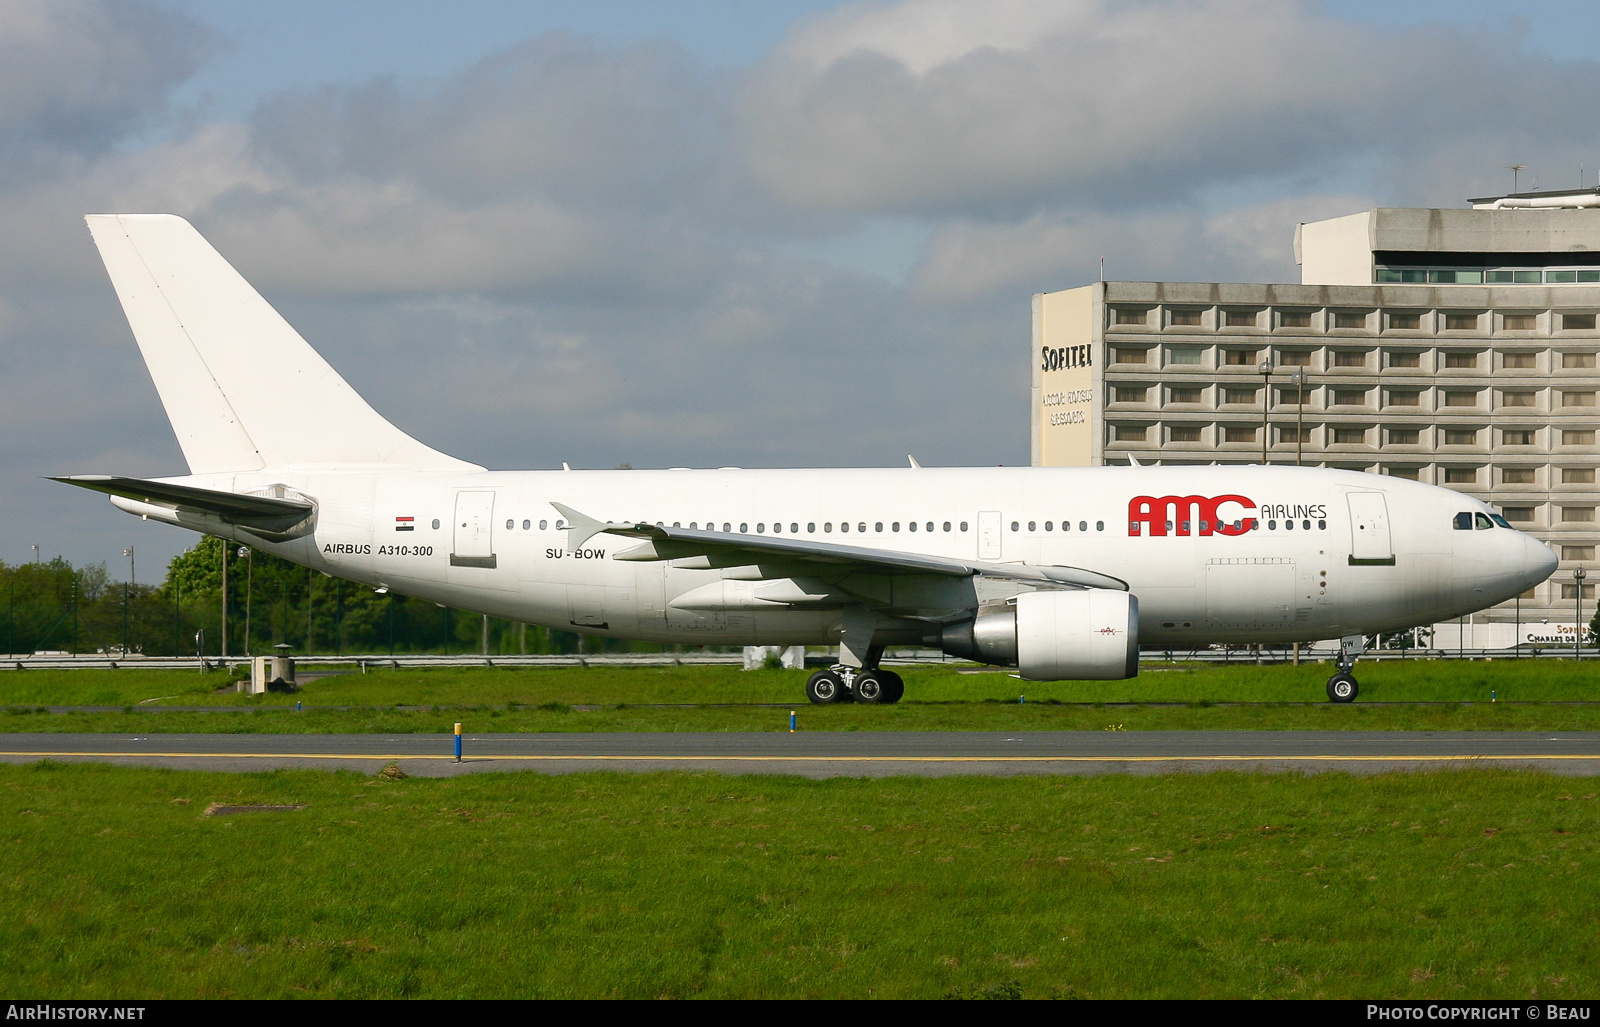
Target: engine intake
[1090, 634]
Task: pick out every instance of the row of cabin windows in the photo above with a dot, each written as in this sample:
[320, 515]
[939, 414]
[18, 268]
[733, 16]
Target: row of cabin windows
[761, 526]
[1065, 526]
[1191, 356]
[1398, 320]
[1181, 528]
[1396, 436]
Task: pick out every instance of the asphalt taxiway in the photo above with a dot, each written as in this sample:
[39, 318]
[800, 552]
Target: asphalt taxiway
[836, 754]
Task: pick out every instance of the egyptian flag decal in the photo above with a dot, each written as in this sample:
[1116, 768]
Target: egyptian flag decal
[405, 524]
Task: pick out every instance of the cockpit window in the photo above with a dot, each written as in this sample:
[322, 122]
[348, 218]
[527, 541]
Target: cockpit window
[1483, 521]
[1463, 521]
[1500, 520]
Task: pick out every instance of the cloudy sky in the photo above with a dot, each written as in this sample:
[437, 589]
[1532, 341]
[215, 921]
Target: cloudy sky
[755, 232]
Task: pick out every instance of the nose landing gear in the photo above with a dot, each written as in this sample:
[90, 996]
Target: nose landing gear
[1342, 686]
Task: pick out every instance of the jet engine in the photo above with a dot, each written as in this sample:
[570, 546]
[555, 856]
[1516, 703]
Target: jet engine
[1087, 634]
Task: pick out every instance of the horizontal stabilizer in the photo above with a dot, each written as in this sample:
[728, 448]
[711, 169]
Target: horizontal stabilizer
[266, 514]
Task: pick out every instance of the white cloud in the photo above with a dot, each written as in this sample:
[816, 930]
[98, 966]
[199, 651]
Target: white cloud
[77, 75]
[1000, 110]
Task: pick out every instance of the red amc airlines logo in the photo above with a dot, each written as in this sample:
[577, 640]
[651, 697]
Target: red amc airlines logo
[1205, 514]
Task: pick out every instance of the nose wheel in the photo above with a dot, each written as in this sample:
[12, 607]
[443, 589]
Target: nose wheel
[1342, 687]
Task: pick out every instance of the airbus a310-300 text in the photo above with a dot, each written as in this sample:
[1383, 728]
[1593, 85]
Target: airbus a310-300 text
[1060, 572]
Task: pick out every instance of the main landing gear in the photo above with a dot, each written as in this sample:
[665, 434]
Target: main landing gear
[1342, 686]
[839, 683]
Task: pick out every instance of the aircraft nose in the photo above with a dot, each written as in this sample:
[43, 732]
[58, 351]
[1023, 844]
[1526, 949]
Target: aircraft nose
[1539, 561]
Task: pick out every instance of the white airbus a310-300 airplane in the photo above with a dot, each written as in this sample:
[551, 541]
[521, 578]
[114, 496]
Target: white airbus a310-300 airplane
[1060, 572]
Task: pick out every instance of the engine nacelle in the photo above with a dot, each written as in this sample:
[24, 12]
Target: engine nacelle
[1089, 634]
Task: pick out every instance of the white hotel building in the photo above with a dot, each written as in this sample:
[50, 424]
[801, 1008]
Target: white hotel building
[1457, 347]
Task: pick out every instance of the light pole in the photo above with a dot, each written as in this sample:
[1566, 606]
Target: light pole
[1265, 367]
[1299, 380]
[1577, 614]
[249, 589]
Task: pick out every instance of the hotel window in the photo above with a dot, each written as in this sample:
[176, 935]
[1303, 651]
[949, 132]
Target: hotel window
[1130, 394]
[1239, 357]
[1349, 319]
[1408, 473]
[1577, 552]
[1239, 395]
[1294, 358]
[1183, 355]
[1577, 437]
[1185, 318]
[1183, 395]
[1405, 359]
[1516, 399]
[1239, 435]
[1127, 434]
[1519, 322]
[1516, 476]
[1240, 318]
[1345, 358]
[1461, 438]
[1349, 397]
[1577, 475]
[1519, 360]
[1404, 436]
[1290, 395]
[1577, 322]
[1571, 591]
[1518, 437]
[1404, 398]
[1460, 475]
[1461, 360]
[1294, 318]
[1183, 433]
[1577, 399]
[1517, 514]
[1577, 360]
[1460, 399]
[1126, 316]
[1583, 514]
[1292, 433]
[1460, 322]
[1350, 436]
[1404, 320]
[1131, 354]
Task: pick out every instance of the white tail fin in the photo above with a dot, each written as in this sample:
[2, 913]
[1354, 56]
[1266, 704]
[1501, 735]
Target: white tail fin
[242, 389]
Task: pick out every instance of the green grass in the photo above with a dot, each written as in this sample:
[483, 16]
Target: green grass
[907, 716]
[940, 698]
[1387, 681]
[1449, 885]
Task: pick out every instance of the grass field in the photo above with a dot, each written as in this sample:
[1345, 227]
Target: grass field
[940, 698]
[1449, 885]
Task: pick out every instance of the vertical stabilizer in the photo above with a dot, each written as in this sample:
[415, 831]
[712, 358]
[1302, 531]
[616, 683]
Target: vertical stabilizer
[242, 389]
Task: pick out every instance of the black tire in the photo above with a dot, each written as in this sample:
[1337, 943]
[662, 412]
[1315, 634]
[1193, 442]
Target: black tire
[1342, 688]
[894, 686]
[871, 688]
[826, 688]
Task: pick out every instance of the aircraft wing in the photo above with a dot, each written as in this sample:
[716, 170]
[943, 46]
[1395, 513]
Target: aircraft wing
[711, 549]
[261, 513]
